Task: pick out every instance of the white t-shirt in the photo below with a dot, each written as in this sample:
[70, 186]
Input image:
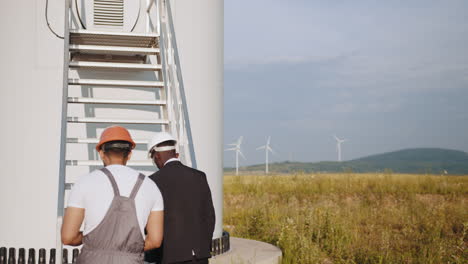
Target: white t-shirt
[94, 193]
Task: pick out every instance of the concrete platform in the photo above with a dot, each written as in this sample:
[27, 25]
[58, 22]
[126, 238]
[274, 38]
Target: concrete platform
[245, 251]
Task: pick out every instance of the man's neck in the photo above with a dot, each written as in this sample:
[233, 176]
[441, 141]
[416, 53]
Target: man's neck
[116, 162]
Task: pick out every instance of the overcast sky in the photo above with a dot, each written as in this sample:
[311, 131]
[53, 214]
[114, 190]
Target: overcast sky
[386, 75]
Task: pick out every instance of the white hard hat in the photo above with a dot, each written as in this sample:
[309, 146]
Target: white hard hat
[159, 138]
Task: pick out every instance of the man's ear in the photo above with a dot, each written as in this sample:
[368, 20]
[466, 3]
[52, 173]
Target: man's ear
[101, 154]
[177, 155]
[129, 155]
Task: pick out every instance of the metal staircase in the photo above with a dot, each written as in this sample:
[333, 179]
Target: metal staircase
[126, 63]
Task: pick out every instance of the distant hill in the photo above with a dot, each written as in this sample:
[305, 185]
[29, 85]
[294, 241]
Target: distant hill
[421, 160]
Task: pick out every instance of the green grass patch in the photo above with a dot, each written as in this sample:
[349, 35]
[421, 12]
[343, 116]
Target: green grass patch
[352, 218]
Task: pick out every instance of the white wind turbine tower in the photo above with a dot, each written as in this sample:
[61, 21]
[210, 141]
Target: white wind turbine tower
[267, 149]
[338, 146]
[237, 149]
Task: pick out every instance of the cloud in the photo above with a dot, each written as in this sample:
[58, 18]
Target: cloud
[267, 60]
[242, 63]
[388, 74]
[343, 108]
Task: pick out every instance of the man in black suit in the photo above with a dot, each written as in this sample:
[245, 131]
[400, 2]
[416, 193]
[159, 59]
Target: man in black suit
[189, 216]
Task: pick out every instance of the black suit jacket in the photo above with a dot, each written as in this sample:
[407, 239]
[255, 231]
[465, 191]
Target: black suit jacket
[189, 216]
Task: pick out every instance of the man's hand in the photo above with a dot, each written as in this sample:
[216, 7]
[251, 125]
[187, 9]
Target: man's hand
[154, 227]
[72, 221]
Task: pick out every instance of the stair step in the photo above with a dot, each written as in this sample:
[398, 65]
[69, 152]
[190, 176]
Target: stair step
[115, 66]
[99, 163]
[109, 34]
[85, 100]
[96, 140]
[85, 37]
[119, 83]
[117, 50]
[116, 121]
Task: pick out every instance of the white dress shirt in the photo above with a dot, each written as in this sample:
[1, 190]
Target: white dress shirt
[171, 160]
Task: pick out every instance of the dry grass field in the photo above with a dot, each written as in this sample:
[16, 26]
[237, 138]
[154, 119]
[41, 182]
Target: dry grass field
[352, 218]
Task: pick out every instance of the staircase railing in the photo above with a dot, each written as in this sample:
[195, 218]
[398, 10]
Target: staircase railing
[63, 132]
[175, 92]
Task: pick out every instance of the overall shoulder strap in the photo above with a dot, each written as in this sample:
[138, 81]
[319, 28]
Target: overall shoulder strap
[112, 180]
[137, 186]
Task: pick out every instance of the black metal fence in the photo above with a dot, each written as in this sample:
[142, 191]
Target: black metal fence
[220, 245]
[9, 256]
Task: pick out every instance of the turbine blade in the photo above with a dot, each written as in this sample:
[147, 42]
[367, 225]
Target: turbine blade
[268, 140]
[242, 155]
[261, 147]
[230, 149]
[271, 150]
[239, 141]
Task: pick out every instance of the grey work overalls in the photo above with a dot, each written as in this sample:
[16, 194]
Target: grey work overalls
[117, 239]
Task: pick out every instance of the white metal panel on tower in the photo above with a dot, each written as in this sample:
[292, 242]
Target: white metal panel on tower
[199, 27]
[31, 81]
[108, 15]
[30, 103]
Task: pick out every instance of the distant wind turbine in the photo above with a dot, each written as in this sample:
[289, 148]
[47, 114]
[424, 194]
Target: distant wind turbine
[338, 146]
[267, 149]
[237, 149]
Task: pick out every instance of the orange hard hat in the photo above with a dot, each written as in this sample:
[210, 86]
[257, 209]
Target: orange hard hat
[115, 133]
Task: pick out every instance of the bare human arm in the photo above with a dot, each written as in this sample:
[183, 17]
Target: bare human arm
[72, 221]
[154, 229]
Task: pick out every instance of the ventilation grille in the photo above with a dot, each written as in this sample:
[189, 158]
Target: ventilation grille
[109, 13]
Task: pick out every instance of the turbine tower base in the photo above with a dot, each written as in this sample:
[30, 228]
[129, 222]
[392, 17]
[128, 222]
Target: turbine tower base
[248, 251]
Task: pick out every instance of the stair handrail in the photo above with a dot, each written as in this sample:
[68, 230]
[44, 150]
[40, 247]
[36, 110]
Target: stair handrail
[172, 72]
[150, 5]
[63, 131]
[149, 8]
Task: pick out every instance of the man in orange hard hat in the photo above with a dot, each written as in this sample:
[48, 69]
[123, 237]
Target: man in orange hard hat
[116, 204]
